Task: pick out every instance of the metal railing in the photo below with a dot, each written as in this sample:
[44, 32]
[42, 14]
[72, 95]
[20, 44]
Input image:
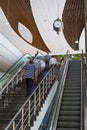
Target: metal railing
[12, 76]
[25, 116]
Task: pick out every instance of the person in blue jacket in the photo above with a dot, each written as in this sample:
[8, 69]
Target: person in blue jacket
[47, 59]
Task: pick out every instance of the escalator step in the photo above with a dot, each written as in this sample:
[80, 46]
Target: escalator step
[70, 108]
[67, 128]
[72, 91]
[69, 113]
[67, 103]
[69, 118]
[72, 81]
[71, 99]
[72, 77]
[72, 85]
[72, 88]
[69, 124]
[72, 95]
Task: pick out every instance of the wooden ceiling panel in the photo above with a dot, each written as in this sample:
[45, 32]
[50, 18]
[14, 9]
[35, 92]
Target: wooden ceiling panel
[20, 11]
[73, 19]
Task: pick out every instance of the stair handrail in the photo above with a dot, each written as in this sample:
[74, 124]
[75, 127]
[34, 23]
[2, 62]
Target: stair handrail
[43, 87]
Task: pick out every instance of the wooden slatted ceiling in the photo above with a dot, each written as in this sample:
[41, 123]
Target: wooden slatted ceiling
[20, 11]
[73, 19]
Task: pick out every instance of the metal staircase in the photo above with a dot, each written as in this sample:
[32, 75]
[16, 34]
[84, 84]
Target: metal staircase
[18, 111]
[70, 109]
[12, 91]
[14, 102]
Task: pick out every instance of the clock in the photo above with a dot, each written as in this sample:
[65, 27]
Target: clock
[57, 25]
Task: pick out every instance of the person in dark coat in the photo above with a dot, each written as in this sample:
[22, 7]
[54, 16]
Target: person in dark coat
[29, 73]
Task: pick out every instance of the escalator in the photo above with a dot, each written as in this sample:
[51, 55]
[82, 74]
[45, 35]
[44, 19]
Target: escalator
[69, 117]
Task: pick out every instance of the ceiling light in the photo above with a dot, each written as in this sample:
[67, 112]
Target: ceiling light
[7, 12]
[7, 23]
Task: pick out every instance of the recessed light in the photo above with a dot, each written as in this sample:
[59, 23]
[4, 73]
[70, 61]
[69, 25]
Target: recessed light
[7, 23]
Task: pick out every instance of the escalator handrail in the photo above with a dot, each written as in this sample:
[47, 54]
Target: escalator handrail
[39, 56]
[7, 79]
[10, 69]
[83, 90]
[13, 70]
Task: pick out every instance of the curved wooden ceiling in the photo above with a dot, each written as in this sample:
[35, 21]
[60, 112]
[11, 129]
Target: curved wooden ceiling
[20, 11]
[73, 19]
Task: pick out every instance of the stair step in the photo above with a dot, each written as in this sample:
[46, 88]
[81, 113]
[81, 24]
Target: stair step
[2, 126]
[15, 99]
[5, 120]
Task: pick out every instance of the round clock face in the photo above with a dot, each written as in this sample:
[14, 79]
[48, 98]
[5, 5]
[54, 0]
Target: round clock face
[57, 23]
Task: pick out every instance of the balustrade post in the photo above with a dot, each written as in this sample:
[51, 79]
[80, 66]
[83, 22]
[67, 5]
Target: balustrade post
[43, 89]
[39, 97]
[13, 125]
[0, 94]
[35, 103]
[46, 85]
[22, 118]
[29, 114]
[17, 79]
[51, 75]
[49, 79]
